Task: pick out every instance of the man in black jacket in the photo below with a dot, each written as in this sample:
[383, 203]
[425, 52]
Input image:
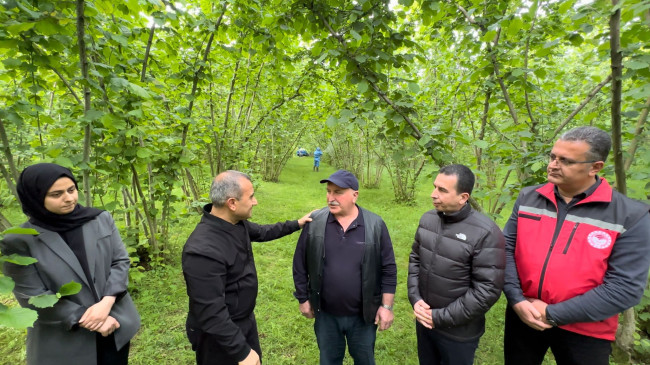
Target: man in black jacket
[456, 270]
[220, 273]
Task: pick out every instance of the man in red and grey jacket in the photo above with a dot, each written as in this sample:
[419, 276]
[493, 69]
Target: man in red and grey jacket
[577, 254]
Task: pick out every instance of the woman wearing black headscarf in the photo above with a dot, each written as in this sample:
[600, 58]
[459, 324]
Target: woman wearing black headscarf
[79, 244]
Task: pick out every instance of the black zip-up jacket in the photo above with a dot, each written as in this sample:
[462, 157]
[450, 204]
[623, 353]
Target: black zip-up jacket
[456, 266]
[221, 279]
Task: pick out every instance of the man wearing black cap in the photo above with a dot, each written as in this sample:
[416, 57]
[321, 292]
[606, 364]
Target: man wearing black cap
[345, 274]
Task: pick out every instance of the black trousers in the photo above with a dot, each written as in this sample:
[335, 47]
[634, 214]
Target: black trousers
[107, 353]
[209, 352]
[526, 346]
[437, 349]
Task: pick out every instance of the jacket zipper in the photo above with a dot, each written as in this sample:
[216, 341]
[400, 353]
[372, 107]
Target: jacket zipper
[558, 228]
[573, 232]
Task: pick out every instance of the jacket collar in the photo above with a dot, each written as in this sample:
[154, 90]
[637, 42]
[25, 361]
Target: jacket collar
[56, 244]
[456, 216]
[600, 192]
[216, 221]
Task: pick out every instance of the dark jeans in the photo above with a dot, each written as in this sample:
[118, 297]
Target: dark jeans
[107, 353]
[526, 346]
[437, 349]
[332, 332]
[208, 351]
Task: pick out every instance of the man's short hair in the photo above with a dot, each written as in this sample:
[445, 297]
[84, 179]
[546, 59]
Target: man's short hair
[465, 183]
[598, 140]
[225, 186]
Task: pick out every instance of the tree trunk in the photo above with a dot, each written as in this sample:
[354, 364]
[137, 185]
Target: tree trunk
[150, 222]
[638, 133]
[226, 116]
[625, 335]
[83, 61]
[4, 223]
[10, 176]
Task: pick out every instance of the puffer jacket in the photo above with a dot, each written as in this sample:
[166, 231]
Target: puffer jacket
[456, 266]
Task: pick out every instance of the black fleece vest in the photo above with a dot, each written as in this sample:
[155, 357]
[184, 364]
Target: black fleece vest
[371, 264]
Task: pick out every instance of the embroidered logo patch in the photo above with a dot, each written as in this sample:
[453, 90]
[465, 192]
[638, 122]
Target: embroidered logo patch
[461, 236]
[599, 239]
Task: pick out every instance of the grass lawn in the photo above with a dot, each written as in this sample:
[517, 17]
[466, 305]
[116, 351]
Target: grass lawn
[286, 337]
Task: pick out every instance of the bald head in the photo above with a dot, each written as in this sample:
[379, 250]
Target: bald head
[227, 185]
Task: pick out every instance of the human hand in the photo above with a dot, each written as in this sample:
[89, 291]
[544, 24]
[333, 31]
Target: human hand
[306, 310]
[110, 325]
[540, 306]
[252, 359]
[95, 315]
[384, 318]
[306, 218]
[422, 313]
[530, 315]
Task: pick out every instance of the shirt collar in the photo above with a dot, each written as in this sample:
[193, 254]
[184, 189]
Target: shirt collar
[358, 220]
[581, 196]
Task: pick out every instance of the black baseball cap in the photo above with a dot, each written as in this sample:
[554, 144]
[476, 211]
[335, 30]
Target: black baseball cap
[344, 179]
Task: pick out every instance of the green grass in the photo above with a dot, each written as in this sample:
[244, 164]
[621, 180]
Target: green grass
[286, 337]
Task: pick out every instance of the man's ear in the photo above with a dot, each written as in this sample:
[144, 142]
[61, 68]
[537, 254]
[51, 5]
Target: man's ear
[464, 198]
[596, 167]
[230, 203]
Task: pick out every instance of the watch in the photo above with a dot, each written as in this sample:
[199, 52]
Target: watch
[550, 319]
[389, 307]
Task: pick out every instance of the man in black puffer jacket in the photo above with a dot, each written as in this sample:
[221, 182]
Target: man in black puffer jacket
[456, 271]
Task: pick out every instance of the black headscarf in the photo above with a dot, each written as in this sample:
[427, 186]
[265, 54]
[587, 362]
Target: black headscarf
[33, 185]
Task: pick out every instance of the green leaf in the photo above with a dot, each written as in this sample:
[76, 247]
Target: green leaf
[481, 144]
[93, 114]
[517, 72]
[70, 288]
[136, 113]
[122, 40]
[6, 285]
[355, 35]
[48, 26]
[144, 153]
[406, 3]
[332, 121]
[565, 6]
[44, 300]
[514, 27]
[541, 73]
[64, 161]
[19, 318]
[111, 122]
[19, 230]
[362, 87]
[18, 260]
[8, 43]
[636, 65]
[536, 166]
[489, 36]
[414, 87]
[576, 39]
[346, 114]
[12, 62]
[139, 91]
[119, 83]
[19, 27]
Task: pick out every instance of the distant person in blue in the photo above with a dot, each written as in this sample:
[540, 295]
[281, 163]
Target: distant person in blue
[317, 154]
